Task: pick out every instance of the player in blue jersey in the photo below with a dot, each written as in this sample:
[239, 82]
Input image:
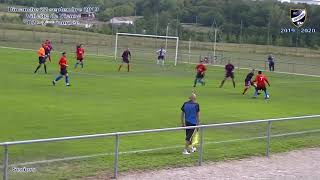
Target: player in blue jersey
[229, 68]
[271, 62]
[248, 82]
[190, 116]
[126, 56]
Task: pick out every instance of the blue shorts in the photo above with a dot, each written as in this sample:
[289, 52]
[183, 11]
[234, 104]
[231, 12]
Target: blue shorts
[247, 83]
[229, 74]
[200, 75]
[63, 72]
[125, 60]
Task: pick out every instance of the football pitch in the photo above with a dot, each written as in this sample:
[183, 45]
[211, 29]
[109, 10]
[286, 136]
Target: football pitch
[102, 100]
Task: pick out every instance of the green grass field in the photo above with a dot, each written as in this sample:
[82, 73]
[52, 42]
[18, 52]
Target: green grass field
[102, 100]
[288, 59]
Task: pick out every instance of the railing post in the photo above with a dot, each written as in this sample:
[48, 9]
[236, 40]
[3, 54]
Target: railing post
[5, 162]
[268, 138]
[116, 156]
[201, 146]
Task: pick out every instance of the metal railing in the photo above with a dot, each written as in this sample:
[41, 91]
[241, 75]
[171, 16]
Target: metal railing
[117, 136]
[281, 65]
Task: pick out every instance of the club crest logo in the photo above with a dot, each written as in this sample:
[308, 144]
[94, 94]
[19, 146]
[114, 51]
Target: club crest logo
[298, 16]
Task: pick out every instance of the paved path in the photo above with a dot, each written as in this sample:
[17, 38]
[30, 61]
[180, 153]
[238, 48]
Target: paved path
[301, 164]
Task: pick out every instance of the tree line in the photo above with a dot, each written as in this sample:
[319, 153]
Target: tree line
[236, 21]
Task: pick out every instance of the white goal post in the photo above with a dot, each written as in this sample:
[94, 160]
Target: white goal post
[150, 36]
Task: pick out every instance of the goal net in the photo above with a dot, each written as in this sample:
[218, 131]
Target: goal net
[144, 47]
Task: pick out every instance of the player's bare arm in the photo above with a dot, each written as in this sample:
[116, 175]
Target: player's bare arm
[182, 120]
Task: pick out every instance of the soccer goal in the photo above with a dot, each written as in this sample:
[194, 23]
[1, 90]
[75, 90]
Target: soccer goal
[144, 47]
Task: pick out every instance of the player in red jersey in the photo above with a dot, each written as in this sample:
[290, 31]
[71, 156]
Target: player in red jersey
[229, 74]
[201, 69]
[63, 63]
[126, 56]
[261, 81]
[80, 56]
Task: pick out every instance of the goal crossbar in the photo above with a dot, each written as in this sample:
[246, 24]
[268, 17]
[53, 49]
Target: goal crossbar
[150, 36]
[147, 35]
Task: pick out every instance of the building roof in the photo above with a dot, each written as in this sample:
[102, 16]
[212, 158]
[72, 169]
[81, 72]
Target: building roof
[317, 2]
[126, 18]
